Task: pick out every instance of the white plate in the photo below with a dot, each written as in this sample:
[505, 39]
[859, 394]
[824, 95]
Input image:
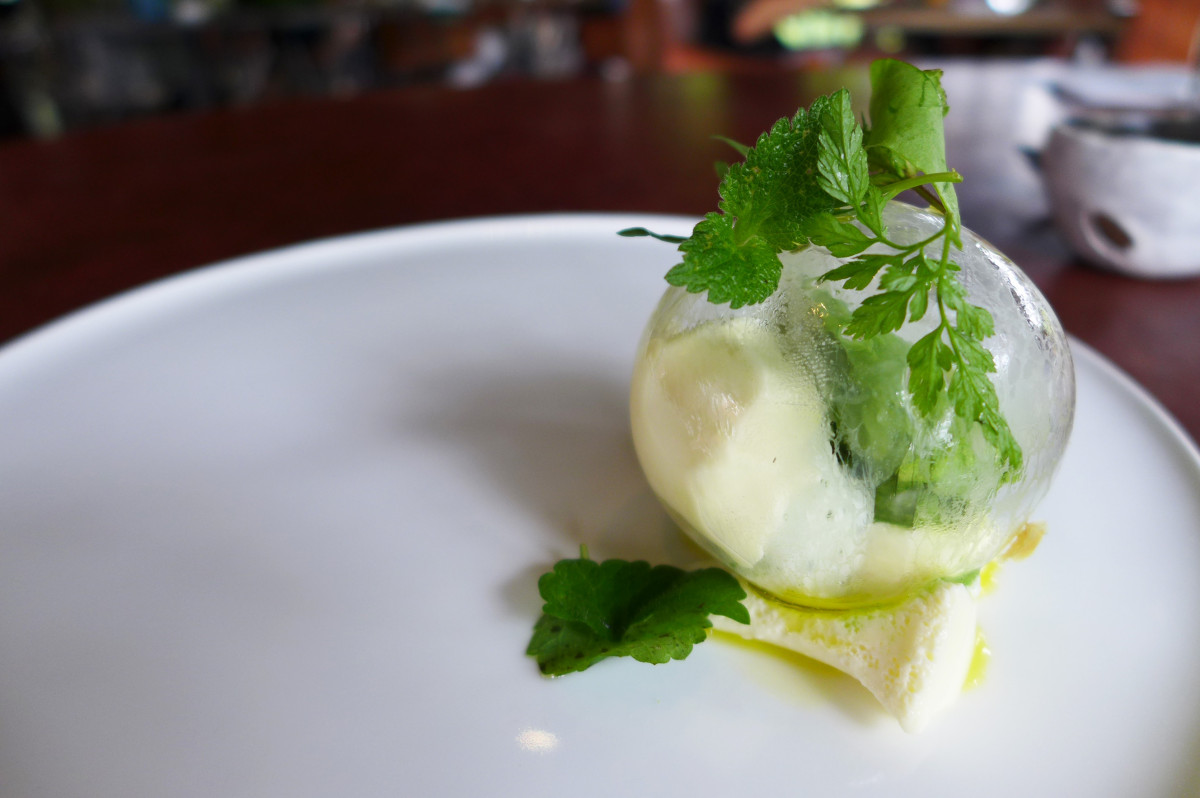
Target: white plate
[273, 529]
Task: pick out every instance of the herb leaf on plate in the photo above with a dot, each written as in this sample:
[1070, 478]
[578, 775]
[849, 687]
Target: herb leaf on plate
[616, 608]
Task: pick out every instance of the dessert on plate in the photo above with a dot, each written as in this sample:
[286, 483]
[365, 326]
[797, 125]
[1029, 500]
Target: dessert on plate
[853, 404]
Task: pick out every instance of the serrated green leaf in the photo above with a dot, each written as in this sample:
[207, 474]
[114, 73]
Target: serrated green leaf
[870, 212]
[808, 180]
[732, 255]
[740, 272]
[878, 314]
[872, 429]
[842, 239]
[926, 379]
[841, 160]
[777, 186]
[946, 356]
[972, 352]
[859, 273]
[951, 291]
[926, 268]
[919, 304]
[617, 608]
[964, 391]
[998, 433]
[899, 277]
[974, 321]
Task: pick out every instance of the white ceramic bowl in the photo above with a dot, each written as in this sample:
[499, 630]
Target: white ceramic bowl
[1126, 202]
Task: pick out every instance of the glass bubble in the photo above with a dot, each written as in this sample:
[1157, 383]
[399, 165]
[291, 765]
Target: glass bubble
[794, 454]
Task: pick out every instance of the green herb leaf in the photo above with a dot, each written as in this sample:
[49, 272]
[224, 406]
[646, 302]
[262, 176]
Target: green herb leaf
[765, 200]
[879, 314]
[729, 269]
[595, 610]
[841, 160]
[906, 146]
[900, 276]
[859, 273]
[780, 176]
[919, 303]
[906, 136]
[820, 179]
[870, 213]
[842, 239]
[927, 379]
[974, 321]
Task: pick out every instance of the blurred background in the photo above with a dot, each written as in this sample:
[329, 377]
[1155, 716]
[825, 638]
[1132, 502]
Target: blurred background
[73, 64]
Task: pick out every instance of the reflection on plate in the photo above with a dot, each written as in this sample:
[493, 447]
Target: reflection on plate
[273, 529]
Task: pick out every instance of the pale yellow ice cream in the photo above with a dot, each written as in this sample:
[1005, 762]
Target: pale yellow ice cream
[735, 441]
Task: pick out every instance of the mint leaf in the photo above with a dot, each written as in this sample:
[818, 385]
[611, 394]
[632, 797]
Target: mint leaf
[779, 181]
[717, 260]
[595, 610]
[765, 201]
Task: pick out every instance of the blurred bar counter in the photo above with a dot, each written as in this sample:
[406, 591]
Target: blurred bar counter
[69, 64]
[97, 212]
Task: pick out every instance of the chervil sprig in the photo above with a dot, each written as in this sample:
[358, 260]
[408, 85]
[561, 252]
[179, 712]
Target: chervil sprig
[820, 178]
[951, 359]
[733, 253]
[615, 608]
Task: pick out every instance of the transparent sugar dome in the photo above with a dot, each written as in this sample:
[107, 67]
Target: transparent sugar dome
[794, 455]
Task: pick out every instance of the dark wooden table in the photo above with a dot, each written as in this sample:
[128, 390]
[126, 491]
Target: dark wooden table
[92, 214]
